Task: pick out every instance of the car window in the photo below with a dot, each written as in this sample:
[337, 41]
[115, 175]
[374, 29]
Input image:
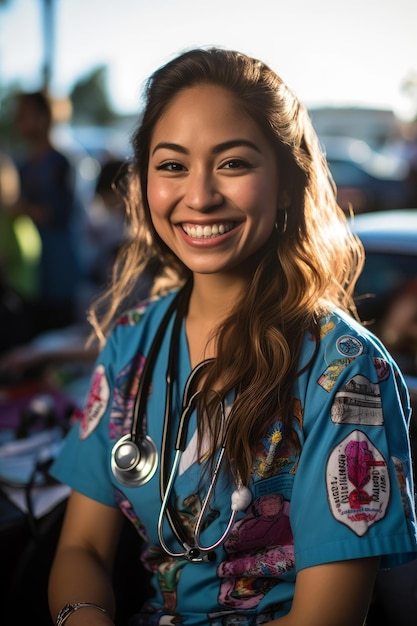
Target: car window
[386, 296]
[347, 174]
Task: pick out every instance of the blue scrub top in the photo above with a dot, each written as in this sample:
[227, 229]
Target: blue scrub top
[346, 493]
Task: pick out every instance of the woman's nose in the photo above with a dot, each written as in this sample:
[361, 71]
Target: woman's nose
[202, 192]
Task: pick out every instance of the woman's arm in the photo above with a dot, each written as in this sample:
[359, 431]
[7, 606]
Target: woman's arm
[334, 594]
[81, 571]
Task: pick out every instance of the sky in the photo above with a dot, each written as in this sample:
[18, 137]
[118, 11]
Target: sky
[356, 52]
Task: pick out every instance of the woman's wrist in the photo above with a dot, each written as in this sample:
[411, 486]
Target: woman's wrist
[69, 609]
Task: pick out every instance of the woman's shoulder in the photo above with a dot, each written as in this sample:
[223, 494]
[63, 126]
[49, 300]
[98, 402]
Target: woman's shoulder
[347, 335]
[347, 346]
[134, 330]
[151, 309]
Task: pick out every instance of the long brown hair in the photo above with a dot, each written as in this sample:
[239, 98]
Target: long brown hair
[311, 261]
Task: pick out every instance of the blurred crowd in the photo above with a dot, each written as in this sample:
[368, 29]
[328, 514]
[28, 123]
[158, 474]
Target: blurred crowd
[57, 245]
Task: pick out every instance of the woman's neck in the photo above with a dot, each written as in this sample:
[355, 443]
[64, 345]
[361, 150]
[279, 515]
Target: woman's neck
[211, 302]
[213, 297]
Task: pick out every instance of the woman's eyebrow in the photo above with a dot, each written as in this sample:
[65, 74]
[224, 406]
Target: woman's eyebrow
[221, 147]
[169, 146]
[235, 143]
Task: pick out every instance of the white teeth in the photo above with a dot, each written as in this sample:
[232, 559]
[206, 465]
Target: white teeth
[205, 232]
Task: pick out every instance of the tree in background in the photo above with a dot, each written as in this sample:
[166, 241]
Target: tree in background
[89, 103]
[89, 99]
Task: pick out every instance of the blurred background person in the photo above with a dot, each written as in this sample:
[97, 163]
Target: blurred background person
[107, 228]
[20, 250]
[47, 195]
[108, 231]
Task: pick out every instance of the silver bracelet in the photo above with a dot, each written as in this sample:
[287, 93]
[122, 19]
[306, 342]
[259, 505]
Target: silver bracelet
[69, 609]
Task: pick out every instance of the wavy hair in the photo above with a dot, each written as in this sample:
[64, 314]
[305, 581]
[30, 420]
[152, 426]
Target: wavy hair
[313, 263]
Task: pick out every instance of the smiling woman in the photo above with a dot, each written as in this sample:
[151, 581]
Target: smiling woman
[237, 416]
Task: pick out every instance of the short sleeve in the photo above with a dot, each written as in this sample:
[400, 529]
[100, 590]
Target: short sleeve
[353, 491]
[83, 462]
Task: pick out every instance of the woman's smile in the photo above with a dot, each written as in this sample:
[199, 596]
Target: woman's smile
[206, 236]
[208, 231]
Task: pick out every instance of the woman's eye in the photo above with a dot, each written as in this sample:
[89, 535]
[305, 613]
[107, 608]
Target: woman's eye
[236, 164]
[170, 166]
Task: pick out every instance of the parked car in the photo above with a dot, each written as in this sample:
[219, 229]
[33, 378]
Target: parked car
[386, 291]
[387, 299]
[365, 178]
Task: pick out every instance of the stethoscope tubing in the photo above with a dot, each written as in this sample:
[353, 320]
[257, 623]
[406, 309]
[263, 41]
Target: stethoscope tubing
[204, 507]
[192, 553]
[164, 512]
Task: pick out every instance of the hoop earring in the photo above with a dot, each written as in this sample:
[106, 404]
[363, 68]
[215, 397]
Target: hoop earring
[281, 224]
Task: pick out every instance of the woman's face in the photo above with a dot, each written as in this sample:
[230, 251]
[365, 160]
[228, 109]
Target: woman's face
[212, 181]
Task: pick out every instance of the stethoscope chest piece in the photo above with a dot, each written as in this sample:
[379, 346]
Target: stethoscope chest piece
[134, 464]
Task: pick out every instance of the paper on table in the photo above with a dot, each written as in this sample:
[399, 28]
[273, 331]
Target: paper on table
[43, 499]
[18, 461]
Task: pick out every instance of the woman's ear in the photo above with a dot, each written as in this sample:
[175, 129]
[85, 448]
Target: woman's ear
[284, 200]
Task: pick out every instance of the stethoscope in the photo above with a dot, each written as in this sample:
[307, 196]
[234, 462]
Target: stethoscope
[135, 457]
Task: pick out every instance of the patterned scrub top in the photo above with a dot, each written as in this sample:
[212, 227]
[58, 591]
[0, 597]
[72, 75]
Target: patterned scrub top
[346, 494]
